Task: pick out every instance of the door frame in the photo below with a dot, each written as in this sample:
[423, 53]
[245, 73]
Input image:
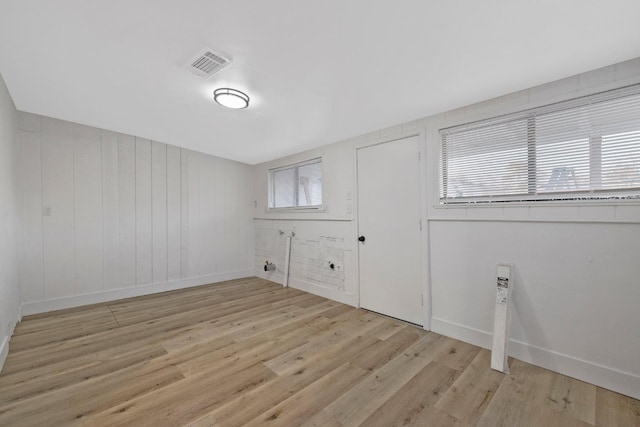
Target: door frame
[424, 233]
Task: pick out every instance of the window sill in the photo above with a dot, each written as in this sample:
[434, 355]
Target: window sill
[309, 209]
[618, 211]
[559, 203]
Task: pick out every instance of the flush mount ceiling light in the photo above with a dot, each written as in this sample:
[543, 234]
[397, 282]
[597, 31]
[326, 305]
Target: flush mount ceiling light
[231, 98]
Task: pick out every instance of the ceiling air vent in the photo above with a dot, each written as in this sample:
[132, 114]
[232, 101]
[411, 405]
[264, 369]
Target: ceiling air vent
[206, 63]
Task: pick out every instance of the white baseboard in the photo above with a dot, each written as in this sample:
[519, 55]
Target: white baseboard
[324, 291]
[35, 307]
[463, 333]
[311, 287]
[4, 347]
[606, 377]
[4, 351]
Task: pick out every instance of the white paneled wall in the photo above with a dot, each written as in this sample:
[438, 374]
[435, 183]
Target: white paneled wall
[159, 209]
[144, 220]
[577, 277]
[107, 215]
[58, 230]
[87, 209]
[315, 245]
[174, 213]
[9, 277]
[575, 268]
[112, 246]
[126, 166]
[574, 300]
[319, 235]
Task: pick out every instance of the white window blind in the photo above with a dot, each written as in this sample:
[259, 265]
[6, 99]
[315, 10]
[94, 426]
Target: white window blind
[585, 148]
[296, 186]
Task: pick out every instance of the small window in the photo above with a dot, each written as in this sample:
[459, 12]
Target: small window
[296, 186]
[582, 149]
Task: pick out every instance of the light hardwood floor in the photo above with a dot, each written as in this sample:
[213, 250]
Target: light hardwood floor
[248, 352]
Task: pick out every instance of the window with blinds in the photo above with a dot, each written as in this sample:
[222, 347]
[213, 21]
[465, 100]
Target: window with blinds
[585, 148]
[296, 186]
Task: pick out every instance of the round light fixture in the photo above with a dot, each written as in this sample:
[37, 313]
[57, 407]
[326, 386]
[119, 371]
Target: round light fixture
[231, 98]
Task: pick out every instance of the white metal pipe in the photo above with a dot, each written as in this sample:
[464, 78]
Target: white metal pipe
[287, 257]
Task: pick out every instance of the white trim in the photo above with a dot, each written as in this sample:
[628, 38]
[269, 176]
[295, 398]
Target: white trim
[316, 208]
[35, 307]
[312, 288]
[324, 291]
[424, 233]
[304, 219]
[4, 351]
[390, 138]
[461, 332]
[552, 203]
[296, 208]
[504, 106]
[532, 219]
[4, 348]
[425, 273]
[584, 370]
[297, 164]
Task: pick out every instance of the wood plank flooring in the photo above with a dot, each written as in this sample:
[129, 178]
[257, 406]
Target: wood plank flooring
[249, 352]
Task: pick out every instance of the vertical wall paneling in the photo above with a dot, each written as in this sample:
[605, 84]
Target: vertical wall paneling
[159, 211]
[103, 212]
[30, 182]
[241, 232]
[110, 211]
[211, 241]
[195, 228]
[127, 210]
[10, 206]
[184, 215]
[247, 232]
[237, 205]
[575, 264]
[223, 208]
[87, 153]
[174, 212]
[144, 226]
[225, 205]
[58, 209]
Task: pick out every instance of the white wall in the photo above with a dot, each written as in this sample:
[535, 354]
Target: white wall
[314, 246]
[9, 278]
[336, 221]
[106, 215]
[577, 272]
[332, 225]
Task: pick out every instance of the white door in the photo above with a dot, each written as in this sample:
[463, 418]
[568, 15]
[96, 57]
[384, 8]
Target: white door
[389, 229]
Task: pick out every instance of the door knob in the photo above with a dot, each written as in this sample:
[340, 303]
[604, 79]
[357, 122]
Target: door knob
[361, 238]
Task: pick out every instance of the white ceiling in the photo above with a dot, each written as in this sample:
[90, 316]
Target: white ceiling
[316, 71]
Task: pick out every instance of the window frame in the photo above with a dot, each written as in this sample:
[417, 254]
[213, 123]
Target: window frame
[533, 196]
[296, 166]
